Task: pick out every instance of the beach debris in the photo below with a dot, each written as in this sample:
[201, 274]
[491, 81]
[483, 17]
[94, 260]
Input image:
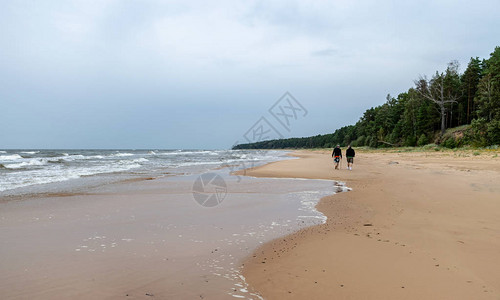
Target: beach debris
[368, 224]
[150, 295]
[393, 163]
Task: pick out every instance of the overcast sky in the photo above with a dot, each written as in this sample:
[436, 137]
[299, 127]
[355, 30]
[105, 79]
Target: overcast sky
[200, 74]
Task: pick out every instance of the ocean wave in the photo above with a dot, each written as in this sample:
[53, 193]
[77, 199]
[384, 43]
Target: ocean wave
[94, 157]
[72, 157]
[3, 151]
[178, 152]
[10, 157]
[29, 152]
[56, 160]
[122, 154]
[51, 175]
[198, 163]
[142, 159]
[31, 162]
[103, 169]
[79, 156]
[133, 161]
[168, 153]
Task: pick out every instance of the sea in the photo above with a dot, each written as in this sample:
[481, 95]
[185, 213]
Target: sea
[182, 214]
[24, 171]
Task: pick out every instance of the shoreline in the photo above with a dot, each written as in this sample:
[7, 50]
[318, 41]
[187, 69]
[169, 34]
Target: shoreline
[431, 235]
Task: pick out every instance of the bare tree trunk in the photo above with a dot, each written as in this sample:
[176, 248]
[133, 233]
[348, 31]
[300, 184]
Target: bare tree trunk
[434, 91]
[443, 119]
[468, 104]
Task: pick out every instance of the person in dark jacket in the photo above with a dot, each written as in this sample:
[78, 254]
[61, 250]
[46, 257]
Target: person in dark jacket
[350, 153]
[337, 156]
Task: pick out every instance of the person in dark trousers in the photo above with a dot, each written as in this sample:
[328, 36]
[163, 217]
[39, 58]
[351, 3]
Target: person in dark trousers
[350, 153]
[337, 156]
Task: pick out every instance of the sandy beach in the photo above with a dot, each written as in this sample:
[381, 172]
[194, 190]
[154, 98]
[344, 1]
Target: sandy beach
[417, 225]
[421, 225]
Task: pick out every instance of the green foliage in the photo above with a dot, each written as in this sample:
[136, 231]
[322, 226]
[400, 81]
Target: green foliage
[412, 119]
[360, 141]
[410, 141]
[488, 93]
[449, 143]
[422, 140]
[476, 135]
[470, 80]
[493, 132]
[431, 147]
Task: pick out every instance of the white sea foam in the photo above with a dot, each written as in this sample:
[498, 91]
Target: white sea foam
[122, 154]
[191, 153]
[58, 174]
[94, 157]
[73, 157]
[30, 152]
[198, 163]
[31, 162]
[79, 156]
[168, 153]
[10, 157]
[137, 160]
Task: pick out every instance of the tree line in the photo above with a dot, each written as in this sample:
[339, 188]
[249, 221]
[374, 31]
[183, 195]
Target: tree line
[452, 109]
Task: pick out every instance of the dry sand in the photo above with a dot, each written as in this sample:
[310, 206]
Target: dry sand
[416, 226]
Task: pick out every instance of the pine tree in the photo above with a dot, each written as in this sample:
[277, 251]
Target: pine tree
[470, 80]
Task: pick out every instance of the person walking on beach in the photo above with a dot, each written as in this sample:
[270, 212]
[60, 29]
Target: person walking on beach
[337, 156]
[350, 153]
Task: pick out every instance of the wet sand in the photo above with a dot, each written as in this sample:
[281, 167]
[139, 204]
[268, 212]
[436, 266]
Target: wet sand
[415, 226]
